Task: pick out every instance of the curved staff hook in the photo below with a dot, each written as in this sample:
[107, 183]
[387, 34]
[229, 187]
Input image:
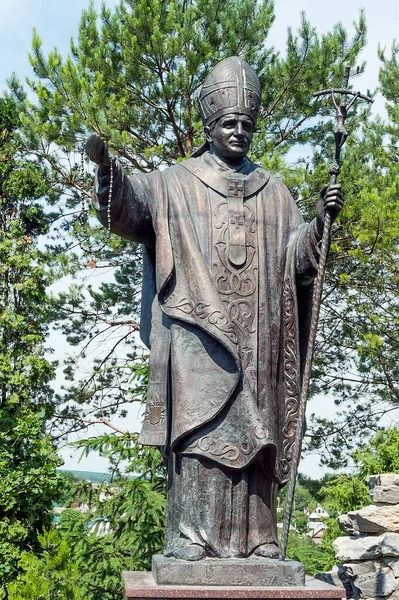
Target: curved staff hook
[341, 135]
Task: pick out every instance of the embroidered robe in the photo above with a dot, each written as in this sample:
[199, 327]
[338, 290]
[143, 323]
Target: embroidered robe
[227, 269]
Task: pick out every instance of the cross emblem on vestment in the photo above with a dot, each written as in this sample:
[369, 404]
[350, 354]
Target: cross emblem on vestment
[236, 188]
[237, 235]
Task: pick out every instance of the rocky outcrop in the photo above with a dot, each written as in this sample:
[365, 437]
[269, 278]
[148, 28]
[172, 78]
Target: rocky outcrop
[369, 552]
[371, 519]
[356, 548]
[384, 489]
[373, 579]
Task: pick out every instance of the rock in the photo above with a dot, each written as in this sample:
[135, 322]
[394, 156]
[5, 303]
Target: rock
[393, 563]
[330, 577]
[347, 582]
[385, 494]
[375, 519]
[384, 479]
[346, 525]
[362, 568]
[384, 488]
[371, 585]
[389, 544]
[339, 578]
[372, 578]
[348, 549]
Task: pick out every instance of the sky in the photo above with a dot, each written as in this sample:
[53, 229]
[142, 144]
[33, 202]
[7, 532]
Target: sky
[57, 21]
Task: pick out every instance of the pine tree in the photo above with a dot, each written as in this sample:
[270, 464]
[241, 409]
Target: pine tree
[131, 76]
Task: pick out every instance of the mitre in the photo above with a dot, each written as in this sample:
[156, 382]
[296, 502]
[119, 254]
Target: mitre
[232, 87]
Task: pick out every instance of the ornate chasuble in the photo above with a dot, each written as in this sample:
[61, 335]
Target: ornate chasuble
[227, 263]
[248, 493]
[238, 432]
[235, 271]
[225, 251]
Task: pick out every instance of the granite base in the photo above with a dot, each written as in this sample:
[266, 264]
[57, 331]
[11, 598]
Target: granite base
[261, 572]
[141, 586]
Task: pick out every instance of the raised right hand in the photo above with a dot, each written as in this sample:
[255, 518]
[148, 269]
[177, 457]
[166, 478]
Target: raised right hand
[97, 150]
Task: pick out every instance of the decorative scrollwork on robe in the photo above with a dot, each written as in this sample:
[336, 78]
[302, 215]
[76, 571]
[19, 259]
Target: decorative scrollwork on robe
[291, 365]
[205, 311]
[238, 285]
[231, 451]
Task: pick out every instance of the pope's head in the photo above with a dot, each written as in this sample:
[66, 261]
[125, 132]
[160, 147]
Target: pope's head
[230, 136]
[229, 102]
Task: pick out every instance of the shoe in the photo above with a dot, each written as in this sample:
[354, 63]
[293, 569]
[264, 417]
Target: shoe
[267, 551]
[191, 552]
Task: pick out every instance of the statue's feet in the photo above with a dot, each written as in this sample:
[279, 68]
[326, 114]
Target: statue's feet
[191, 552]
[267, 551]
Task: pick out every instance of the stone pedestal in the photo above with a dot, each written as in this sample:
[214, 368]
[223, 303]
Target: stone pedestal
[141, 586]
[260, 572]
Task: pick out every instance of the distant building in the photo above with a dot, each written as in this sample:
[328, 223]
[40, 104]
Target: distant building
[57, 509]
[315, 523]
[99, 526]
[292, 527]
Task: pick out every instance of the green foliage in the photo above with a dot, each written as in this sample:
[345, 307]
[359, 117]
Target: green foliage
[359, 328]
[29, 481]
[314, 485]
[330, 534]
[304, 502]
[119, 527]
[131, 76]
[125, 518]
[68, 488]
[50, 573]
[381, 455]
[358, 336]
[99, 558]
[315, 558]
[344, 493]
[291, 116]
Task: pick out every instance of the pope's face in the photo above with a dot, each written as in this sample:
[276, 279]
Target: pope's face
[231, 136]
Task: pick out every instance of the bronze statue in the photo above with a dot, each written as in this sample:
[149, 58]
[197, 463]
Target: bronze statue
[228, 265]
